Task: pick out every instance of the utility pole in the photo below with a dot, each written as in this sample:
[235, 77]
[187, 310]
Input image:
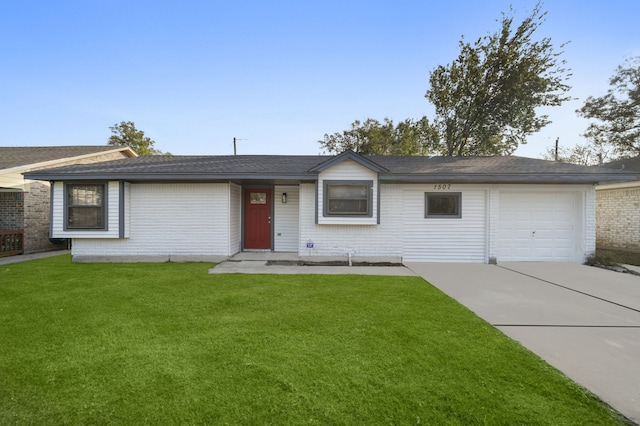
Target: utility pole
[557, 140]
[235, 152]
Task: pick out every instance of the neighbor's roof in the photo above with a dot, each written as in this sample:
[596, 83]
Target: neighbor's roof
[26, 157]
[278, 168]
[632, 164]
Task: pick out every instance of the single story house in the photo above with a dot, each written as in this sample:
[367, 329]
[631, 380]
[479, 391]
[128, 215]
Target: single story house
[618, 210]
[24, 204]
[449, 209]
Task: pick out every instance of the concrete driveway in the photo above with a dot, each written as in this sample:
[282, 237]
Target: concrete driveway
[583, 320]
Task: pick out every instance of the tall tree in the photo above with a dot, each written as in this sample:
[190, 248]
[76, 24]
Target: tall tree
[408, 137]
[617, 114]
[126, 134]
[485, 100]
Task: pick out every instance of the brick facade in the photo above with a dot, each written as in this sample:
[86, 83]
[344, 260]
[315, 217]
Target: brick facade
[36, 219]
[618, 218]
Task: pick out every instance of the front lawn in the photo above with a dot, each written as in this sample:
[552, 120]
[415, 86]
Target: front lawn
[169, 344]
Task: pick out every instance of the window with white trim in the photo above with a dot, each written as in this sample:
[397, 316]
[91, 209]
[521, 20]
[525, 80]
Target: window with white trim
[348, 198]
[85, 206]
[446, 205]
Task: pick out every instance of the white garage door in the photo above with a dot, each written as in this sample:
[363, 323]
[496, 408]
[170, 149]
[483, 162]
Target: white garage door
[537, 227]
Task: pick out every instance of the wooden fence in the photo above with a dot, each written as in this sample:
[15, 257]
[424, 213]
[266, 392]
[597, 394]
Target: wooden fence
[11, 243]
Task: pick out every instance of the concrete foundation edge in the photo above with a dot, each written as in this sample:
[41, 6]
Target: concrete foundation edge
[149, 259]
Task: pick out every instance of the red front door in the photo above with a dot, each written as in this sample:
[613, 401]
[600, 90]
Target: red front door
[257, 219]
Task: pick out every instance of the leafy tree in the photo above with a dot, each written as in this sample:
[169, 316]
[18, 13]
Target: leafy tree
[617, 114]
[408, 137]
[485, 100]
[126, 134]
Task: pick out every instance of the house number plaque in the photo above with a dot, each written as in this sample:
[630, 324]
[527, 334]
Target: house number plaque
[442, 186]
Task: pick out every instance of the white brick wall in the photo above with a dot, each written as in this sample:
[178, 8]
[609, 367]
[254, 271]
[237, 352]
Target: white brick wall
[361, 240]
[589, 219]
[205, 220]
[235, 218]
[286, 218]
[444, 239]
[493, 208]
[170, 220]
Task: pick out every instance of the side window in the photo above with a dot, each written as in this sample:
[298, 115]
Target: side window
[85, 206]
[348, 198]
[443, 205]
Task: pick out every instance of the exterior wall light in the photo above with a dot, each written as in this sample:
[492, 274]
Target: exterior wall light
[284, 197]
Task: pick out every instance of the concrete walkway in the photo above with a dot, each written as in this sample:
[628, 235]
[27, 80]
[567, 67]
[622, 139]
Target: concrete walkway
[24, 257]
[287, 263]
[584, 321]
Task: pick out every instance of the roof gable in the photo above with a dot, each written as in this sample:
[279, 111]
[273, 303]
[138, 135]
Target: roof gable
[349, 155]
[15, 159]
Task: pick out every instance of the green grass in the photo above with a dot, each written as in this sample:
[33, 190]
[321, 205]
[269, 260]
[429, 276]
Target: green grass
[169, 344]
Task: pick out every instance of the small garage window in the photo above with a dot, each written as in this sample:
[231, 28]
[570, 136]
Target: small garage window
[347, 198]
[443, 205]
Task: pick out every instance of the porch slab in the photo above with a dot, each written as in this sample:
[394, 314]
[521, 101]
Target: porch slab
[291, 263]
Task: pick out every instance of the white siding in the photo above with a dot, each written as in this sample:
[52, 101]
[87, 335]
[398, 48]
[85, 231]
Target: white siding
[359, 240]
[348, 170]
[286, 219]
[170, 220]
[443, 239]
[235, 218]
[127, 210]
[113, 216]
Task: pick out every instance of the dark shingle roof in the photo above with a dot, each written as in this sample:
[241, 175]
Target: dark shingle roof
[632, 164]
[23, 156]
[292, 167]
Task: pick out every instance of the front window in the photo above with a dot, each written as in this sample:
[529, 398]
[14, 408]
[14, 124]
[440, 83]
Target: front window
[443, 205]
[347, 198]
[85, 206]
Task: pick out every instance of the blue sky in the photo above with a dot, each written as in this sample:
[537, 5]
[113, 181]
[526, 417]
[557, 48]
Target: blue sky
[278, 75]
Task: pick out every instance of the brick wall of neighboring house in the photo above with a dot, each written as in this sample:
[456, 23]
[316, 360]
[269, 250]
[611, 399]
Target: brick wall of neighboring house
[36, 219]
[37, 207]
[618, 218]
[11, 211]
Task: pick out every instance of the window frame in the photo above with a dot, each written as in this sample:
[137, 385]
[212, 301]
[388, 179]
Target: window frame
[458, 198]
[327, 184]
[68, 189]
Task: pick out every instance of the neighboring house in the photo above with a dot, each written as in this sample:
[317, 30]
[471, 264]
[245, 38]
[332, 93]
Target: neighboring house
[618, 210]
[450, 209]
[24, 204]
